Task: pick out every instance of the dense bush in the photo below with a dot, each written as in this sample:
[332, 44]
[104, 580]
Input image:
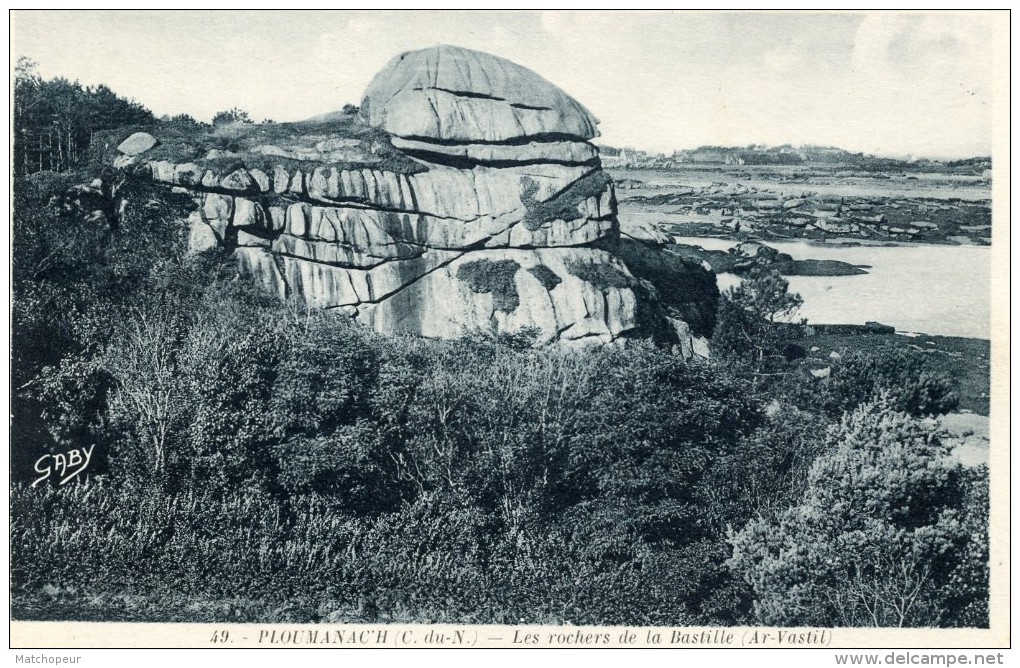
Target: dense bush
[904, 376]
[878, 538]
[469, 480]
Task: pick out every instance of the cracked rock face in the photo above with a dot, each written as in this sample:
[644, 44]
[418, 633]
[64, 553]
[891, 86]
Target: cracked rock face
[478, 204]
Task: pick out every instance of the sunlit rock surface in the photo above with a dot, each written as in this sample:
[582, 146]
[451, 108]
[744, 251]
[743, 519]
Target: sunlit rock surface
[451, 94]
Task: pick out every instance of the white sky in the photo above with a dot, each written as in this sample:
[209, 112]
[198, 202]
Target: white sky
[884, 83]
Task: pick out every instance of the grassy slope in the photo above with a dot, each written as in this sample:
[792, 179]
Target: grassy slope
[190, 143]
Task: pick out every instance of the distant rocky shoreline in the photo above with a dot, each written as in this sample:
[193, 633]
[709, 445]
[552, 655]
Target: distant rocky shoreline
[748, 254]
[737, 208]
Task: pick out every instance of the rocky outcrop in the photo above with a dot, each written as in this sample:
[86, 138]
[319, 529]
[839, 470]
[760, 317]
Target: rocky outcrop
[467, 198]
[746, 255]
[451, 94]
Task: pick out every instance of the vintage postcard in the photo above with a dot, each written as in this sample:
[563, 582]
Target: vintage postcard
[409, 329]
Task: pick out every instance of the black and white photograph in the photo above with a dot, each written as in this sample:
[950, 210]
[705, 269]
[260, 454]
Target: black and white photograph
[509, 329]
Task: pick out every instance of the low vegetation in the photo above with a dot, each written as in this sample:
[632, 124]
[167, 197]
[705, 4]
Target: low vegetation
[563, 205]
[495, 277]
[546, 276]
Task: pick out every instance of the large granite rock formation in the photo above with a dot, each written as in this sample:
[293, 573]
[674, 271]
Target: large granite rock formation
[466, 198]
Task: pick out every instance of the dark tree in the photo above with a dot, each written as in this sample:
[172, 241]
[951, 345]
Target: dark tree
[753, 318]
[55, 120]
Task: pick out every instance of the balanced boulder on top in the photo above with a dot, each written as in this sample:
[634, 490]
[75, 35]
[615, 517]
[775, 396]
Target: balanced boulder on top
[451, 94]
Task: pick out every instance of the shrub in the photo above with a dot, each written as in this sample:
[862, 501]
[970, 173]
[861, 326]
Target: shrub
[603, 276]
[876, 537]
[348, 465]
[233, 115]
[857, 377]
[914, 388]
[965, 593]
[74, 279]
[764, 472]
[324, 376]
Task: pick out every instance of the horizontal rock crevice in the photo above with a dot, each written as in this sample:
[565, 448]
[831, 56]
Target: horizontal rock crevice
[457, 162]
[524, 140]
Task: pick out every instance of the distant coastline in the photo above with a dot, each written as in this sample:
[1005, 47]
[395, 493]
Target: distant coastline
[807, 156]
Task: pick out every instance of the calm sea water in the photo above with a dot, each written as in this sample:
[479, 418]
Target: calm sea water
[922, 288]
